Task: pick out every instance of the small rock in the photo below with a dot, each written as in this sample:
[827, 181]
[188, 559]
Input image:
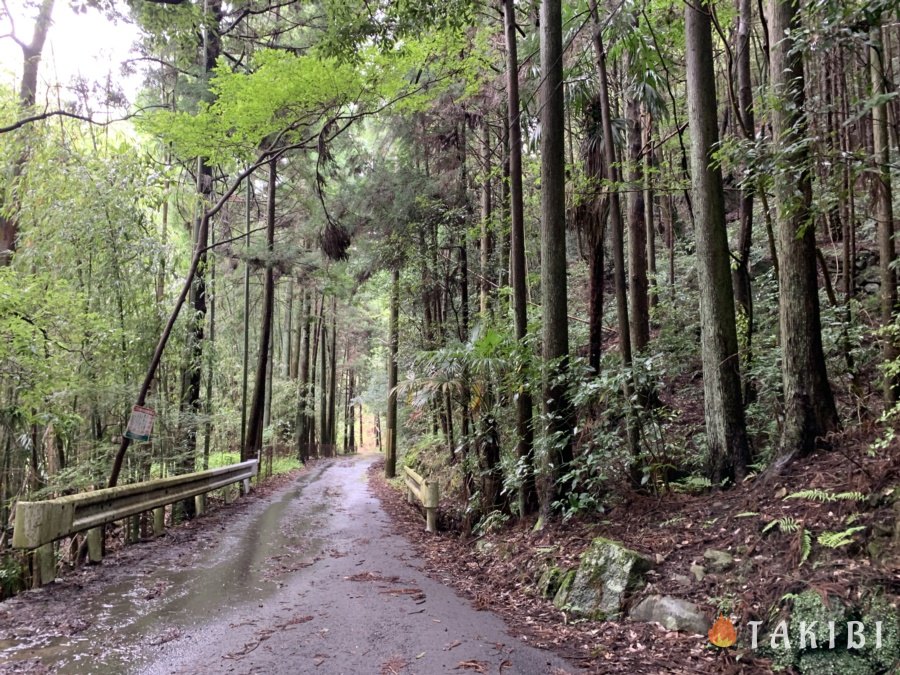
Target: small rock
[698, 571]
[682, 579]
[672, 613]
[484, 546]
[719, 561]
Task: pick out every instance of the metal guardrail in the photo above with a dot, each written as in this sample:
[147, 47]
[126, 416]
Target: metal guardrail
[427, 494]
[43, 522]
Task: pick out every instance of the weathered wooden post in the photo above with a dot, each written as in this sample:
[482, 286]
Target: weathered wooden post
[95, 544]
[431, 504]
[200, 504]
[159, 521]
[43, 565]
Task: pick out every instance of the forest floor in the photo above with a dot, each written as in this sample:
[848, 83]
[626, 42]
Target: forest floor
[499, 572]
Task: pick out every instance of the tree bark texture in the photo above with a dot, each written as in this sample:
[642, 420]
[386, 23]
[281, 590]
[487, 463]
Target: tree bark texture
[554, 291]
[528, 502]
[810, 411]
[728, 448]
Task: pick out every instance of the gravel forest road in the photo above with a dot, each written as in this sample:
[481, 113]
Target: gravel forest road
[309, 579]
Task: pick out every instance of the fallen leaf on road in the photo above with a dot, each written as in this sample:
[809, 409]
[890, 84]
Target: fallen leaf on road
[393, 666]
[477, 666]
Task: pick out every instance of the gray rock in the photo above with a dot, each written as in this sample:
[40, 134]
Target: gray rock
[682, 579]
[607, 573]
[485, 547]
[672, 613]
[698, 571]
[719, 561]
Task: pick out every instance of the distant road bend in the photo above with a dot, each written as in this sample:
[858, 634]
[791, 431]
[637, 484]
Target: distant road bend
[311, 579]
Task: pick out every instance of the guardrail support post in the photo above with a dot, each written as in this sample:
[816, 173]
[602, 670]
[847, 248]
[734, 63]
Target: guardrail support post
[200, 504]
[43, 565]
[159, 521]
[95, 544]
[431, 504]
[134, 529]
[246, 486]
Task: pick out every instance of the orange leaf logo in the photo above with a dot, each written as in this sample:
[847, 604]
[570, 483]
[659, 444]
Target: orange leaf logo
[722, 633]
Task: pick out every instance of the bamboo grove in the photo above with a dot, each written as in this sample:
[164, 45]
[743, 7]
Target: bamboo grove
[515, 242]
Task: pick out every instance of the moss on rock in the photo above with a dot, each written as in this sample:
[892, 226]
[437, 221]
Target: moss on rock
[607, 573]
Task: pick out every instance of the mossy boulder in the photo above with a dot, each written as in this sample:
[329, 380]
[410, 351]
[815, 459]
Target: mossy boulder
[870, 651]
[607, 574]
[825, 662]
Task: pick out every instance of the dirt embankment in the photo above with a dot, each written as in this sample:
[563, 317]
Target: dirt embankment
[675, 530]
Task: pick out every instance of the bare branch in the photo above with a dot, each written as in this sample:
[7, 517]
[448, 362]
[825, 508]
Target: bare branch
[75, 116]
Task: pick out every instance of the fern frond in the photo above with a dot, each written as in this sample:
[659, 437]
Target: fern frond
[824, 496]
[814, 494]
[851, 496]
[805, 544]
[786, 525]
[838, 539]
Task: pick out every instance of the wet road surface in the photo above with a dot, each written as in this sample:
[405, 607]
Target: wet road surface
[310, 580]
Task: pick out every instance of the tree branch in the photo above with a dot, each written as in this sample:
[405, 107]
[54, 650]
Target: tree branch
[18, 124]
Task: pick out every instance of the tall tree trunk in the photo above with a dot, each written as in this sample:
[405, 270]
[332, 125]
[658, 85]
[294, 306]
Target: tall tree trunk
[313, 371]
[487, 227]
[554, 291]
[287, 336]
[31, 57]
[245, 371]
[637, 227]
[253, 444]
[528, 502]
[596, 217]
[884, 209]
[741, 270]
[332, 392]
[617, 234]
[324, 438]
[191, 405]
[728, 453]
[466, 392]
[810, 412]
[210, 362]
[390, 455]
[303, 377]
[649, 210]
[351, 412]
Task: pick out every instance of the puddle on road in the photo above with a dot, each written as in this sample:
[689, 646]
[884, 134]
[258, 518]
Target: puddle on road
[168, 603]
